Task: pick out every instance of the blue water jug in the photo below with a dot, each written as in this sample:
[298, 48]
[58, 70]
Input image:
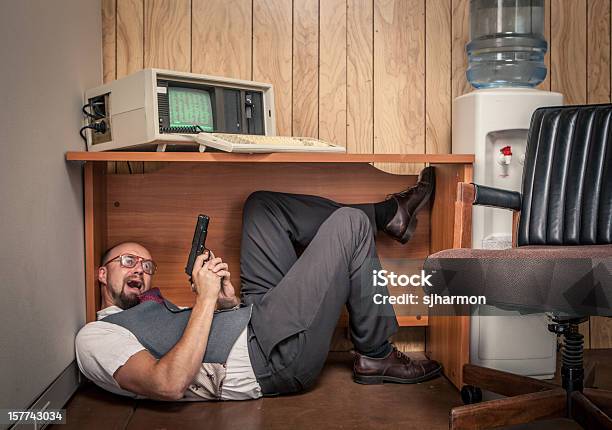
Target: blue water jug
[507, 45]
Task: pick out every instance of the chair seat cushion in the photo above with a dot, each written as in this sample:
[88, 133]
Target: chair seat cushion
[572, 280]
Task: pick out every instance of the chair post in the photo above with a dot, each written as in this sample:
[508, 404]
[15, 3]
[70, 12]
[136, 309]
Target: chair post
[572, 355]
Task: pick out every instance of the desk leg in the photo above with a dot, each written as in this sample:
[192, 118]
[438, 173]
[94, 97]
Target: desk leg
[95, 232]
[448, 338]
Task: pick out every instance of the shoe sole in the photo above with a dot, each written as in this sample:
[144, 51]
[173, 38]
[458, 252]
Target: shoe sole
[377, 380]
[409, 230]
[413, 220]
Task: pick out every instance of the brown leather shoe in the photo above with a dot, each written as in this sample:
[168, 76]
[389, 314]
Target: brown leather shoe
[409, 202]
[396, 367]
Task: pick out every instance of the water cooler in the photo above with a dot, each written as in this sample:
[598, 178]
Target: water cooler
[493, 124]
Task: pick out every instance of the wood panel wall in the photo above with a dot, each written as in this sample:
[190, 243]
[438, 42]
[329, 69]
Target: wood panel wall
[376, 76]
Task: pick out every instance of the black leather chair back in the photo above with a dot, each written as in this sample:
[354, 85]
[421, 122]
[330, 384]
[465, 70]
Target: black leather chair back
[567, 178]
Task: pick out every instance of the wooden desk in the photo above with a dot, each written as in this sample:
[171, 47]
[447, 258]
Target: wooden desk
[159, 209]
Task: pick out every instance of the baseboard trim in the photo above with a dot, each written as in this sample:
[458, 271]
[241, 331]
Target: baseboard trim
[56, 395]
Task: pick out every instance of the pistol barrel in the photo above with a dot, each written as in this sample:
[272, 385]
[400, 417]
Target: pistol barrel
[198, 244]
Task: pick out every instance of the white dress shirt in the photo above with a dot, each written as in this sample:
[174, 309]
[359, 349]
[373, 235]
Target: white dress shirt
[102, 348]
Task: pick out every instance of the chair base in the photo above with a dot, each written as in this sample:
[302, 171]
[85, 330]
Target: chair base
[530, 399]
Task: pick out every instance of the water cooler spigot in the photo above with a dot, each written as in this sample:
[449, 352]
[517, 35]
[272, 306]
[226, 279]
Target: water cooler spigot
[504, 158]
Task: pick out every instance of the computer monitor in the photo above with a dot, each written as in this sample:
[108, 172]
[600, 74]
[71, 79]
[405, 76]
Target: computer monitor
[161, 108]
[189, 107]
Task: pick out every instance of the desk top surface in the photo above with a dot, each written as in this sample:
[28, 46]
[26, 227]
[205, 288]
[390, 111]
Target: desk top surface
[279, 157]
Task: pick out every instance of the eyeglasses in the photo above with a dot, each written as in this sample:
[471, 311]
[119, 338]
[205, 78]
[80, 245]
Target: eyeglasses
[129, 260]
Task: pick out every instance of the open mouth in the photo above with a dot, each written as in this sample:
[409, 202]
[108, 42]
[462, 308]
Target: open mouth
[136, 284]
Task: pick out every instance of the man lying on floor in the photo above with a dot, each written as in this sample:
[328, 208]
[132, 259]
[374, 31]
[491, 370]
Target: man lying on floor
[277, 340]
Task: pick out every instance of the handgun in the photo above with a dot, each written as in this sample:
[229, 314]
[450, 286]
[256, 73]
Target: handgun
[198, 244]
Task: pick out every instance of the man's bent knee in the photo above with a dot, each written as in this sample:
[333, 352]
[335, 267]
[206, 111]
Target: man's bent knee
[256, 200]
[351, 220]
[258, 196]
[353, 214]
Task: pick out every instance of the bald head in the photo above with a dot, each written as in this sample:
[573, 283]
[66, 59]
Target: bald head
[125, 248]
[121, 285]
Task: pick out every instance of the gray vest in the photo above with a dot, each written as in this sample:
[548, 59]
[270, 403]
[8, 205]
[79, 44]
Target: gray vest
[158, 327]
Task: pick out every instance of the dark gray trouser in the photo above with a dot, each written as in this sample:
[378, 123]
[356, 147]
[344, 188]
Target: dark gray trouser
[297, 300]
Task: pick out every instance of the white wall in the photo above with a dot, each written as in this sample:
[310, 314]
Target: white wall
[50, 52]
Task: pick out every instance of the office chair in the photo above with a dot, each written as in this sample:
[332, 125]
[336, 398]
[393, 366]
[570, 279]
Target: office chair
[560, 263]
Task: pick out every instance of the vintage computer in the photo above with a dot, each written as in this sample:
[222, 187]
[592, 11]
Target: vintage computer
[156, 109]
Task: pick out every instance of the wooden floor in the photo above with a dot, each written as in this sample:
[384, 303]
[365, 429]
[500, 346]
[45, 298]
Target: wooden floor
[335, 403]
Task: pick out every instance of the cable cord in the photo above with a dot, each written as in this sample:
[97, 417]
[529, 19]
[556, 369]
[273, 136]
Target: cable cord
[99, 127]
[89, 114]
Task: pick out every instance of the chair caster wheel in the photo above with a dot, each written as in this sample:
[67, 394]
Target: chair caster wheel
[471, 394]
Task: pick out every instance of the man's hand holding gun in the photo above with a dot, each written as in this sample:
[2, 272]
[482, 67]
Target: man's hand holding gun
[209, 274]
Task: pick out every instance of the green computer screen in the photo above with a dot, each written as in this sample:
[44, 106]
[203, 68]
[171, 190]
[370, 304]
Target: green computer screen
[189, 107]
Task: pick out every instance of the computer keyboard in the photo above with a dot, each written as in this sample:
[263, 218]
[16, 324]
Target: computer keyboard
[257, 143]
